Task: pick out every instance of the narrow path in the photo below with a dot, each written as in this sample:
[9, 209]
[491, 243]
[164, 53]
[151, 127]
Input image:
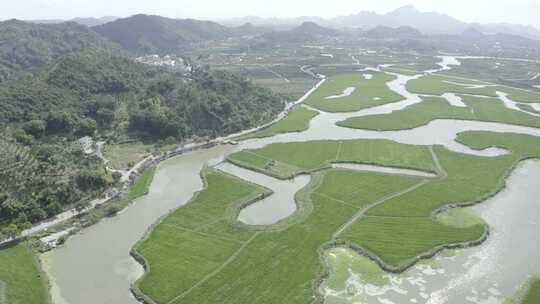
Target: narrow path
[125, 173]
[196, 231]
[441, 170]
[336, 200]
[362, 211]
[275, 73]
[218, 270]
[338, 152]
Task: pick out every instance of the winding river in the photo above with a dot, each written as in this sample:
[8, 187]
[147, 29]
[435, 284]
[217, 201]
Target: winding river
[99, 256]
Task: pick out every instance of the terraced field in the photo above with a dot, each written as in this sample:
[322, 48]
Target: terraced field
[21, 281]
[370, 90]
[201, 254]
[16, 165]
[478, 108]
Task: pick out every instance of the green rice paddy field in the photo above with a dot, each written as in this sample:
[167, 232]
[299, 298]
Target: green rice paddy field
[201, 254]
[21, 281]
[478, 108]
[438, 85]
[296, 121]
[528, 293]
[285, 160]
[533, 293]
[368, 92]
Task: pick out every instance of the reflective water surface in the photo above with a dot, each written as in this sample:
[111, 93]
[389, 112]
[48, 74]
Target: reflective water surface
[271, 209]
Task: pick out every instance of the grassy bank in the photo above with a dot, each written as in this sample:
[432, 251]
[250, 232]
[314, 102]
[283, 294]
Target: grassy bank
[21, 281]
[368, 92]
[296, 121]
[528, 293]
[479, 109]
[142, 183]
[532, 296]
[528, 108]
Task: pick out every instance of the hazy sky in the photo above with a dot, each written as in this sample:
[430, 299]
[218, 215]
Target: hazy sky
[514, 11]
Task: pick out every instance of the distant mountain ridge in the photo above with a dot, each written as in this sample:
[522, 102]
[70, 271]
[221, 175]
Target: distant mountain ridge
[306, 32]
[86, 21]
[426, 22]
[385, 32]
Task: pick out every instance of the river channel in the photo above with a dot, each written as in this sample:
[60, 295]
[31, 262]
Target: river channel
[99, 256]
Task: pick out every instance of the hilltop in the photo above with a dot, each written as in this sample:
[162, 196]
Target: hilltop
[146, 34]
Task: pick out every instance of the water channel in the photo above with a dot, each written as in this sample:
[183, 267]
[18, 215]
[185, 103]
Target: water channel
[99, 256]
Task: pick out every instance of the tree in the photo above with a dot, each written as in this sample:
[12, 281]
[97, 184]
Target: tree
[11, 207]
[35, 128]
[59, 123]
[53, 208]
[46, 152]
[23, 138]
[90, 180]
[3, 197]
[11, 231]
[116, 176]
[105, 116]
[37, 214]
[87, 127]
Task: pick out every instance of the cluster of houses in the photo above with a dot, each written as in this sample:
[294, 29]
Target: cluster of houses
[170, 61]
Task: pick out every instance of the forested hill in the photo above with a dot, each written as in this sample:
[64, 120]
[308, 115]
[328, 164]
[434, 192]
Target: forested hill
[98, 94]
[27, 47]
[146, 34]
[147, 100]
